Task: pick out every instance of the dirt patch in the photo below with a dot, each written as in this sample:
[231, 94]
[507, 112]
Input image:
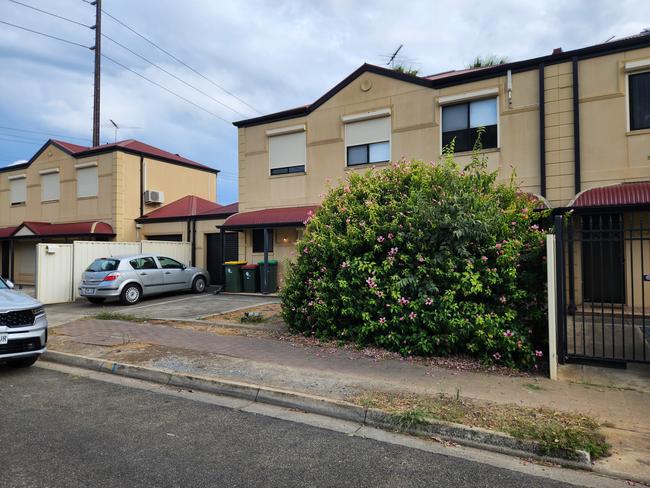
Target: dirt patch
[552, 429]
[271, 314]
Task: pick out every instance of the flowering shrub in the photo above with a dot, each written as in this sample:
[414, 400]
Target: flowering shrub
[426, 259]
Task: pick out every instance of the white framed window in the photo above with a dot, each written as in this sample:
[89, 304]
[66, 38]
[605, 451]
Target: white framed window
[18, 189]
[50, 182]
[367, 138]
[287, 150]
[87, 180]
[461, 123]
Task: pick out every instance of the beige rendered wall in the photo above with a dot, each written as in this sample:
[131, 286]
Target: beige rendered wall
[284, 248]
[68, 208]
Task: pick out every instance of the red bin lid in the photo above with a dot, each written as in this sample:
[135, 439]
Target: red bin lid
[249, 266]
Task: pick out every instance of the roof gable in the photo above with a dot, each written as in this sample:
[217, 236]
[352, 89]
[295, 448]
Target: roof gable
[188, 207]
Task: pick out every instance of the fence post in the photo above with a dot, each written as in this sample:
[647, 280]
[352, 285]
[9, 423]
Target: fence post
[552, 305]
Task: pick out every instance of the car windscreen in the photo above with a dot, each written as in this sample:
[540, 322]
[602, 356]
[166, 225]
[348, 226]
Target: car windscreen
[103, 264]
[3, 285]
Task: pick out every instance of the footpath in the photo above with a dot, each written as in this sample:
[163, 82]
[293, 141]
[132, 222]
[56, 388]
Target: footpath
[252, 355]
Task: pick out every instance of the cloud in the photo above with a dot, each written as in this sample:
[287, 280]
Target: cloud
[275, 55]
[19, 161]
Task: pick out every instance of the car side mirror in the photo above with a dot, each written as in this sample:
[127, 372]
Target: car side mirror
[183, 266]
[10, 284]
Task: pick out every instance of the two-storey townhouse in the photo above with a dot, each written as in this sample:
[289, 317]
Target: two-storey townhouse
[68, 192]
[573, 126]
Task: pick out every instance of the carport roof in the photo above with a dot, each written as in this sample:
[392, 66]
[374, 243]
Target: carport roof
[46, 229]
[270, 217]
[637, 193]
[188, 207]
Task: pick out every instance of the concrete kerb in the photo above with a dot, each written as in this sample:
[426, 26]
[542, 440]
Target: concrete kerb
[461, 434]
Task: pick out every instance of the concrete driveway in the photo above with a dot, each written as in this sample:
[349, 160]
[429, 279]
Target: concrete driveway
[184, 306]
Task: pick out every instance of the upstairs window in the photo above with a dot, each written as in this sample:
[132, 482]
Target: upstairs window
[288, 152]
[461, 121]
[18, 189]
[50, 186]
[87, 183]
[367, 141]
[640, 101]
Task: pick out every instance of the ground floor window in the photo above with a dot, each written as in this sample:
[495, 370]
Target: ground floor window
[258, 240]
[165, 237]
[603, 265]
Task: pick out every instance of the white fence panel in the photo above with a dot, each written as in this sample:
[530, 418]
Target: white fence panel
[54, 273]
[180, 251]
[85, 252]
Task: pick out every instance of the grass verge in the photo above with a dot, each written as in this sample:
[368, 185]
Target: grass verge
[551, 429]
[124, 317]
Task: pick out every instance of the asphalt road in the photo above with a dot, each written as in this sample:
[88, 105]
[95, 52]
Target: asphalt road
[62, 430]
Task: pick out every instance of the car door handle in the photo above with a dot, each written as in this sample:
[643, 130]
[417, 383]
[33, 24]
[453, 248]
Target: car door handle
[143, 274]
[168, 272]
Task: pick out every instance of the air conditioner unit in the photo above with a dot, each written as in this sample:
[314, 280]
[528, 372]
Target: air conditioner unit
[153, 196]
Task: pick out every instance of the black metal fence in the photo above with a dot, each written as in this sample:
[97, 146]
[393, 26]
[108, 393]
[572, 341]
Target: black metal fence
[603, 276]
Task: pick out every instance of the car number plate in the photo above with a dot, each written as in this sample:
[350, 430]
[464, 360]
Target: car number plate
[89, 291]
[4, 338]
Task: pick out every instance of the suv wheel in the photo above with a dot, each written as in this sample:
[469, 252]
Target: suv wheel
[25, 362]
[131, 294]
[198, 285]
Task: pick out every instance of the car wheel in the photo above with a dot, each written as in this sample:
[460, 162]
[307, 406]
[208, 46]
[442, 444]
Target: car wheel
[198, 285]
[130, 295]
[96, 300]
[25, 362]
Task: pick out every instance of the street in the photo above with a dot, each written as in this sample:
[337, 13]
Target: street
[68, 430]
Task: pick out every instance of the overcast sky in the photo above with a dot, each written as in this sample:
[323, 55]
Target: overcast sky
[273, 55]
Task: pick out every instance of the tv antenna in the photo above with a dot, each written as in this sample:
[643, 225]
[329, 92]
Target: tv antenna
[117, 127]
[391, 60]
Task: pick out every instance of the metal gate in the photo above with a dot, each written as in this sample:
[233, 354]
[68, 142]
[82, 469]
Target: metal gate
[603, 276]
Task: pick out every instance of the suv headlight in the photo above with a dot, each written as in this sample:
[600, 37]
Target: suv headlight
[38, 311]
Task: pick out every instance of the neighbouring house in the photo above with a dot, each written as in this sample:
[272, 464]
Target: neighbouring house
[68, 192]
[572, 126]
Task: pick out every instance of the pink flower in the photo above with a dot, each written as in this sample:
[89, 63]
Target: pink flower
[346, 189]
[412, 315]
[484, 258]
[539, 354]
[498, 246]
[344, 264]
[393, 251]
[507, 333]
[323, 269]
[502, 299]
[306, 250]
[513, 223]
[428, 301]
[371, 282]
[379, 293]
[390, 236]
[420, 258]
[534, 227]
[496, 356]
[342, 209]
[382, 320]
[347, 220]
[403, 301]
[380, 239]
[519, 344]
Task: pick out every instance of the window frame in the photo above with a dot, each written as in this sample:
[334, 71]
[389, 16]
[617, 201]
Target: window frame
[46, 173]
[11, 179]
[144, 258]
[86, 166]
[367, 146]
[161, 266]
[629, 100]
[297, 169]
[257, 250]
[468, 100]
[385, 113]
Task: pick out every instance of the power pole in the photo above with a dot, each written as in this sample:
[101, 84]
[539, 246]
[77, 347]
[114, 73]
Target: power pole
[98, 58]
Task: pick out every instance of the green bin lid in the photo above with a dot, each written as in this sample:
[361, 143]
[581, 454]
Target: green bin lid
[271, 261]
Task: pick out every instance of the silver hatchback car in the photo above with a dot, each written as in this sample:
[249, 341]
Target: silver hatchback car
[129, 278]
[23, 327]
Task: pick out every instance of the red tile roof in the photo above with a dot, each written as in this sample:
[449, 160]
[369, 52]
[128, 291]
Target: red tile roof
[622, 194]
[270, 217]
[129, 145]
[46, 229]
[189, 206]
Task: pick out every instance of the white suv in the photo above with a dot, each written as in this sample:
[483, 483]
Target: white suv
[23, 327]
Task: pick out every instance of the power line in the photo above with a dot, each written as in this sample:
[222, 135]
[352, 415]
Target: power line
[44, 133]
[180, 61]
[22, 142]
[51, 14]
[165, 88]
[43, 34]
[123, 66]
[173, 75]
[20, 137]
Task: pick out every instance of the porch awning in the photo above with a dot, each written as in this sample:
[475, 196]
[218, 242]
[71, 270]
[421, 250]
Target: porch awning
[270, 217]
[46, 229]
[623, 194]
